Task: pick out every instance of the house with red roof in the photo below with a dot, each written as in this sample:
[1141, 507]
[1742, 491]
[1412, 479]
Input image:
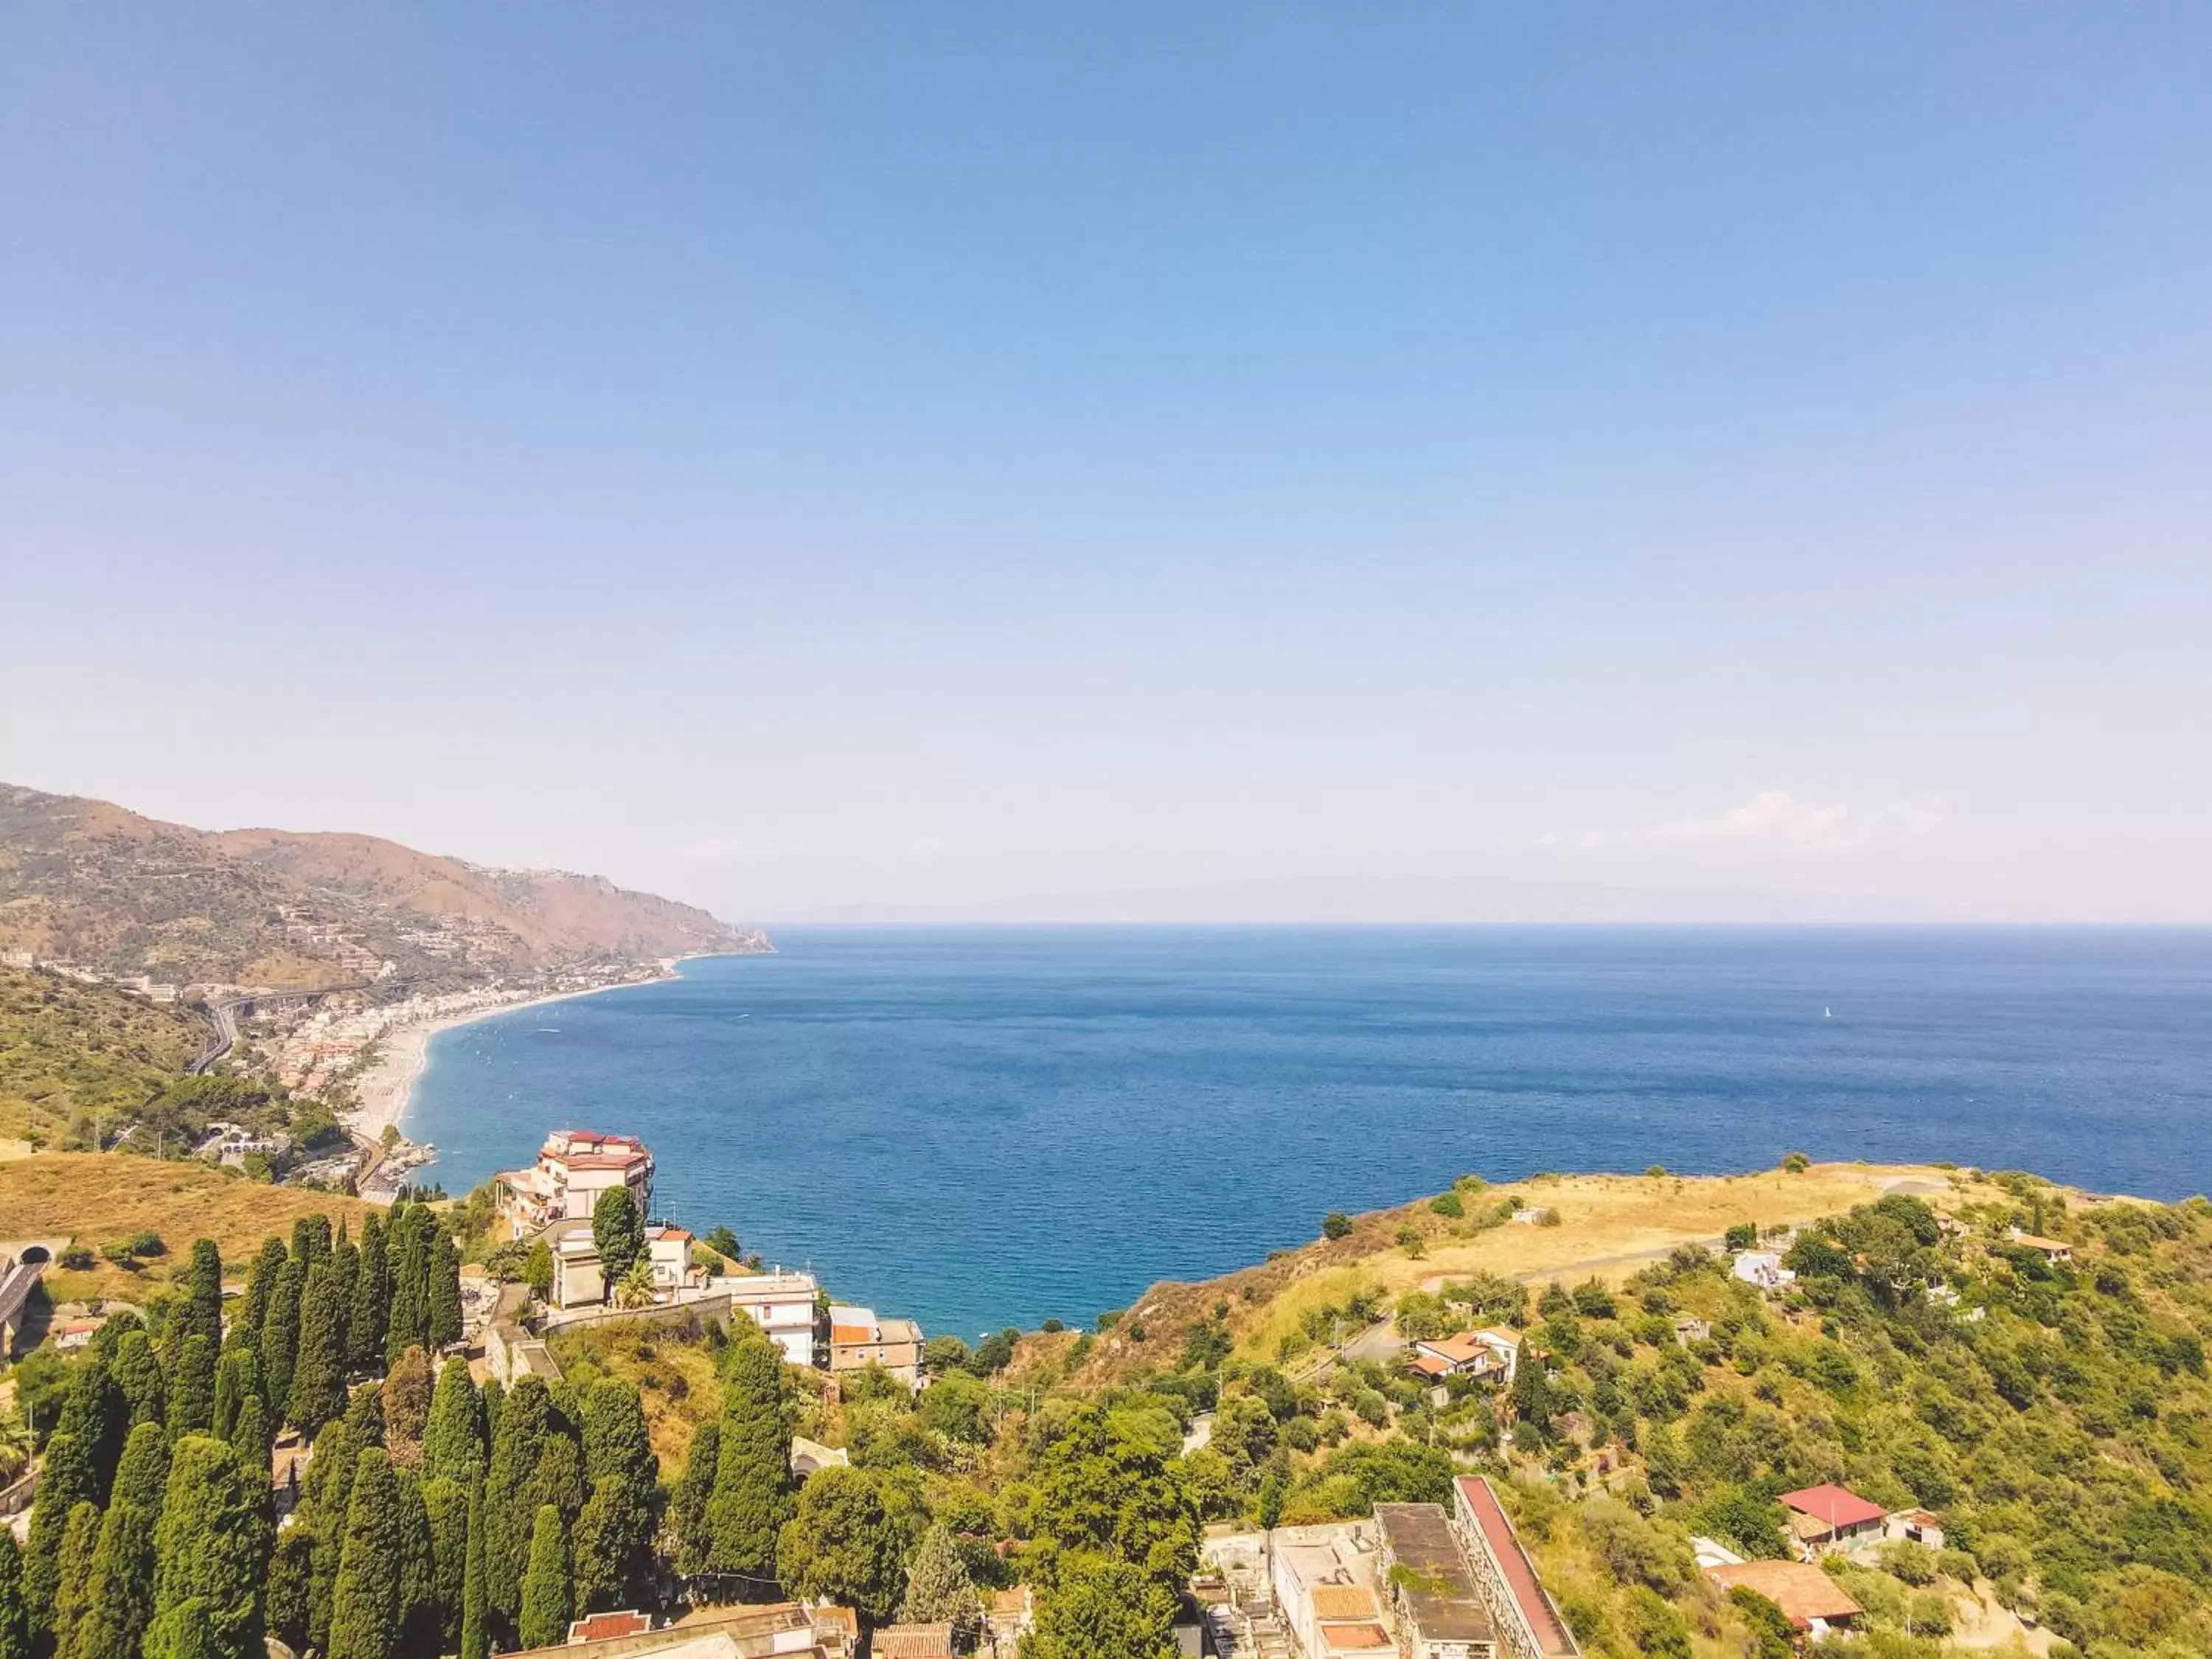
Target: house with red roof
[574, 1167]
[1829, 1516]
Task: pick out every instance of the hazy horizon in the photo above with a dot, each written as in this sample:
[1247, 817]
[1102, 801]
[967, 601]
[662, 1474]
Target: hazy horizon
[1256, 465]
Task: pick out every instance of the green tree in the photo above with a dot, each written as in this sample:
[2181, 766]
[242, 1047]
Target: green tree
[80, 1542]
[288, 1599]
[14, 1624]
[476, 1631]
[1531, 1394]
[366, 1607]
[752, 1499]
[617, 1232]
[64, 1481]
[191, 1386]
[939, 1589]
[511, 1492]
[420, 1616]
[687, 1502]
[441, 1295]
[120, 1597]
[369, 1316]
[261, 1284]
[407, 1252]
[1112, 1486]
[311, 1241]
[138, 1374]
[1335, 1224]
[201, 1312]
[237, 1377]
[538, 1270]
[614, 1529]
[210, 1544]
[453, 1441]
[842, 1544]
[545, 1584]
[142, 1474]
[1773, 1636]
[317, 1391]
[1655, 1629]
[280, 1337]
[1102, 1607]
[446, 1505]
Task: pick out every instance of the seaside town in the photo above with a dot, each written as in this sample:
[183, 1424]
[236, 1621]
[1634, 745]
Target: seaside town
[575, 1243]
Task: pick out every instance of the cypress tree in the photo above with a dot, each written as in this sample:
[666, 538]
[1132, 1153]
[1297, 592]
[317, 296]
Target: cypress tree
[280, 1337]
[250, 1438]
[311, 1241]
[142, 1477]
[446, 1505]
[345, 1263]
[291, 1575]
[64, 1481]
[545, 1585]
[687, 1504]
[237, 1379]
[80, 1541]
[493, 1395]
[366, 1607]
[475, 1634]
[201, 1310]
[138, 1375]
[329, 1492]
[406, 1250]
[212, 1544]
[364, 1416]
[14, 1627]
[752, 1496]
[453, 1439]
[441, 1295]
[97, 1417]
[420, 1618]
[191, 1386]
[510, 1502]
[261, 1284]
[370, 1315]
[120, 1597]
[614, 1529]
[317, 1391]
[184, 1631]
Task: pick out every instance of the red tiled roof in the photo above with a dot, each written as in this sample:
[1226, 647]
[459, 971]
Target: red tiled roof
[1833, 1506]
[605, 1626]
[913, 1642]
[1802, 1591]
[1513, 1563]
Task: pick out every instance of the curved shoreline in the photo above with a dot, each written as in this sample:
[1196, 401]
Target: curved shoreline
[386, 1089]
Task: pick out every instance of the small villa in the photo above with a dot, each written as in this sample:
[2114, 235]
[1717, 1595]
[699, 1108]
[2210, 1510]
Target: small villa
[1763, 1268]
[2054, 1251]
[1485, 1353]
[1830, 1517]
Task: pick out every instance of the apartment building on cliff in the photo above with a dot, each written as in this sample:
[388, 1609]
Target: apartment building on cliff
[574, 1167]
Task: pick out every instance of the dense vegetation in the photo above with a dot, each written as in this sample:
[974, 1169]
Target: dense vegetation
[2054, 1416]
[72, 1052]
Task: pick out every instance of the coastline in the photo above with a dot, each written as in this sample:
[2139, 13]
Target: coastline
[386, 1089]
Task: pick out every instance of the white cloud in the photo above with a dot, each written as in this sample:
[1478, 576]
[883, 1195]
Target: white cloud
[1776, 818]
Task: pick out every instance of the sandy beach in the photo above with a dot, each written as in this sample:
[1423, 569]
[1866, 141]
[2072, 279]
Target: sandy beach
[386, 1087]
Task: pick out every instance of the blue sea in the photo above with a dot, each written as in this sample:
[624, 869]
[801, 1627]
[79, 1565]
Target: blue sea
[979, 1128]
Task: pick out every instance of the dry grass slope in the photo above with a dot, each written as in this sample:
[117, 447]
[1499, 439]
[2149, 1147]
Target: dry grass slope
[94, 1198]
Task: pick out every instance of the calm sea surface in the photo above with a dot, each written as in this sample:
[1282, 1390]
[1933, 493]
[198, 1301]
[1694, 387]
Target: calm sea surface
[979, 1128]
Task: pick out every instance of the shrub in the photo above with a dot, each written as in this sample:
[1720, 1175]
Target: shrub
[1448, 1203]
[1741, 1236]
[1657, 1172]
[1795, 1163]
[1335, 1224]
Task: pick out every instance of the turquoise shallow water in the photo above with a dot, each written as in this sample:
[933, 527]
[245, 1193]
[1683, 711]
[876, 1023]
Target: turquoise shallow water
[981, 1127]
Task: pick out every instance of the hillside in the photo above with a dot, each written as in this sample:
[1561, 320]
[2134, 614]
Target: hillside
[95, 1198]
[88, 883]
[70, 1050]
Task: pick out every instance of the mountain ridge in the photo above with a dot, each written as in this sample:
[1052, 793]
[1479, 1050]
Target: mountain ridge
[96, 885]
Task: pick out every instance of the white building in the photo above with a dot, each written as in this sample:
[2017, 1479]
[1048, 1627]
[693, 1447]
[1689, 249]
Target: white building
[574, 1167]
[668, 1251]
[782, 1304]
[1763, 1268]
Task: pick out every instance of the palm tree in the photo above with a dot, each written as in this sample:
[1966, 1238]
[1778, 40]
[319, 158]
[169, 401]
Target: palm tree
[635, 1288]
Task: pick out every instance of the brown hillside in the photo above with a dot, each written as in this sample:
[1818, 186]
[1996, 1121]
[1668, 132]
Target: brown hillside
[89, 882]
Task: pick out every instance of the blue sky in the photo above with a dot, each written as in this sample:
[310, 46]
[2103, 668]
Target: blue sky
[1230, 463]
